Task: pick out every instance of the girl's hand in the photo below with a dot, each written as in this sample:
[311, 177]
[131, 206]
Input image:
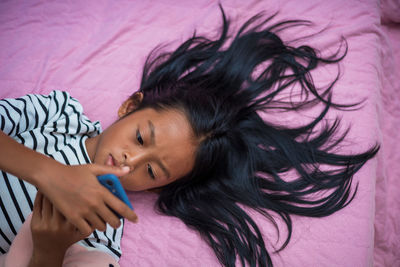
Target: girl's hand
[77, 194]
[73, 190]
[52, 234]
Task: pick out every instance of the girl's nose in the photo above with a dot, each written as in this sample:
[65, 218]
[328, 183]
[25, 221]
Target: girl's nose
[127, 162]
[132, 160]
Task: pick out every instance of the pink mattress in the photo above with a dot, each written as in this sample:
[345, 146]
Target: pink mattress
[95, 50]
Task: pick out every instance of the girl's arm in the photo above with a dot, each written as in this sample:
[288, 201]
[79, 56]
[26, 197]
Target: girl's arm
[23, 162]
[74, 190]
[52, 234]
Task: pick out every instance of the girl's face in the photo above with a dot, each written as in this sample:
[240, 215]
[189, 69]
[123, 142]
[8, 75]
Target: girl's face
[158, 147]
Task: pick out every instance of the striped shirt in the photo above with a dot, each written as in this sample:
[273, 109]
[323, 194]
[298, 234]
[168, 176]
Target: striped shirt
[53, 125]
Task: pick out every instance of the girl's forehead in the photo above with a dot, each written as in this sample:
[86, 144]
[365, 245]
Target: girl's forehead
[159, 120]
[170, 136]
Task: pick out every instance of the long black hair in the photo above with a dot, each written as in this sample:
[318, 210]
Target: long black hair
[241, 160]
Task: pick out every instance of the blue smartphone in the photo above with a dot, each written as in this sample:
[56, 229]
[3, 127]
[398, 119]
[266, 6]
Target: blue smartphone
[111, 182]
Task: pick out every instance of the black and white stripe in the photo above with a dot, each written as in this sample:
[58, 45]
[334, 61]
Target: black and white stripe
[53, 125]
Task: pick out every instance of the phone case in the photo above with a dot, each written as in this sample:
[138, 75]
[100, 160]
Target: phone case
[112, 183]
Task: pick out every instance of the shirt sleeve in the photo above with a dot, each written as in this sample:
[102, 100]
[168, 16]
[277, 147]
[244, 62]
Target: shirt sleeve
[34, 111]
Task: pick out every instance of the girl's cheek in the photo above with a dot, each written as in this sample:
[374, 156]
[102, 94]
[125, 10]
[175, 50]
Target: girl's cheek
[130, 183]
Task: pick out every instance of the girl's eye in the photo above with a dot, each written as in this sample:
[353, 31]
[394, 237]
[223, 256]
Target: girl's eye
[150, 171]
[139, 137]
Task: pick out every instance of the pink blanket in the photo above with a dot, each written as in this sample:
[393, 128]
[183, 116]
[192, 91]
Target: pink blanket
[95, 50]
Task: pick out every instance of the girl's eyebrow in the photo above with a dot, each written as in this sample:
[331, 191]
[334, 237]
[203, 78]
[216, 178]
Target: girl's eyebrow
[152, 135]
[153, 142]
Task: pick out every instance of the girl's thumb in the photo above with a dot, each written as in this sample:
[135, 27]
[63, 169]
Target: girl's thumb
[104, 169]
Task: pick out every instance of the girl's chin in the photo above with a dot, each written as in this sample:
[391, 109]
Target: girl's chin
[154, 190]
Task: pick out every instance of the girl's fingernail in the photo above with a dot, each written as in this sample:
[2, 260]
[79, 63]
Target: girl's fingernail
[125, 168]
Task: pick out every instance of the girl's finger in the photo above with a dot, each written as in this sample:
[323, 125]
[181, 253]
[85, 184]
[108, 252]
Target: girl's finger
[57, 216]
[119, 207]
[37, 208]
[96, 222]
[108, 216]
[47, 209]
[37, 205]
[76, 233]
[83, 227]
[98, 169]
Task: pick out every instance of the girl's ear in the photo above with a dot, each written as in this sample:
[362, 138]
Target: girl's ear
[130, 104]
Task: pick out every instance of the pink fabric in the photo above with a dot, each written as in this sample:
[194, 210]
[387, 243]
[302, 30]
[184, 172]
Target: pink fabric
[390, 10]
[387, 219]
[95, 50]
[20, 253]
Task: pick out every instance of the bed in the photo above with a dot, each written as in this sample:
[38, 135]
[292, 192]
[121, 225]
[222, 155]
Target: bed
[95, 50]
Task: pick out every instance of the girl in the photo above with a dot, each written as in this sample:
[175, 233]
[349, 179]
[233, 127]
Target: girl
[194, 133]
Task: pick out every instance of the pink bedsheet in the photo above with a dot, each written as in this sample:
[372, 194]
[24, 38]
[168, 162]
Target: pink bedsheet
[95, 50]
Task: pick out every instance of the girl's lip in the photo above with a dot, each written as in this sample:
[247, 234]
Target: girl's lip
[111, 161]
